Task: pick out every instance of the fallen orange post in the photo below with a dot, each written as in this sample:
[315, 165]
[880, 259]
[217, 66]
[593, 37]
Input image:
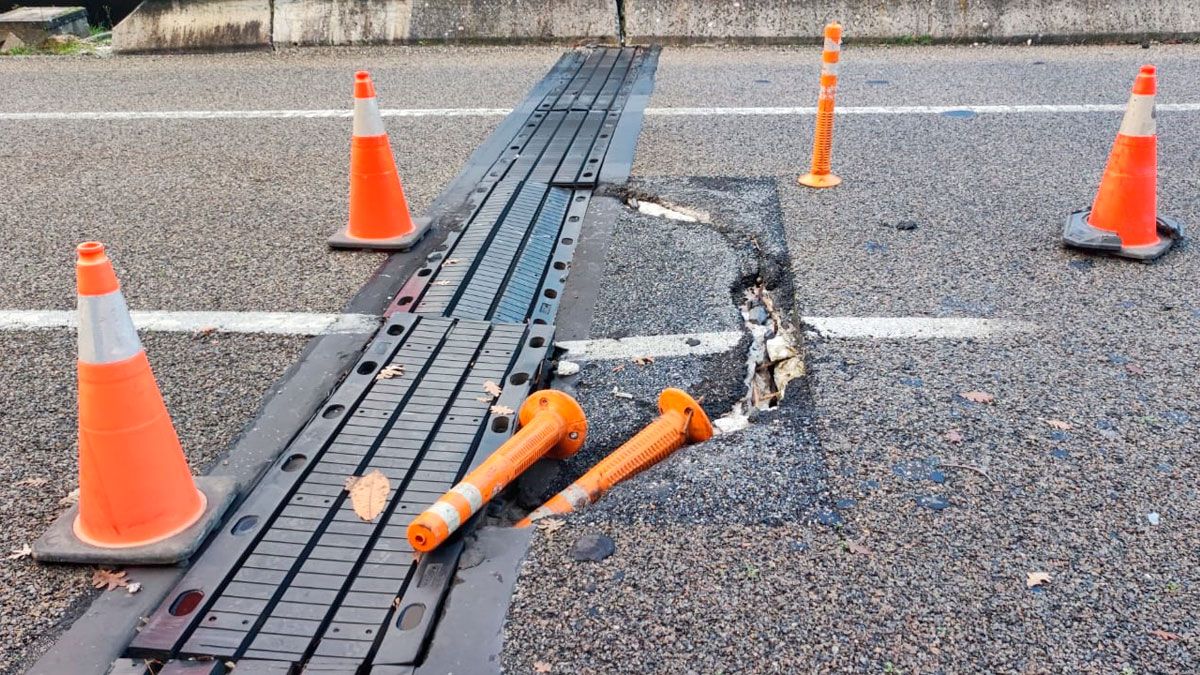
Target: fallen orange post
[552, 424]
[682, 421]
[821, 173]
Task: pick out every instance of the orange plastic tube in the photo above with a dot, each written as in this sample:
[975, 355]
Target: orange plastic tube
[682, 421]
[821, 173]
[552, 424]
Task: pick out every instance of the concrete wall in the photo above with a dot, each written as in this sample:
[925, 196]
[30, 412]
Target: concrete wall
[949, 20]
[170, 25]
[225, 24]
[340, 22]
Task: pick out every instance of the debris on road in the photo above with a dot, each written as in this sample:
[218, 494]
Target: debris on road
[1035, 579]
[978, 397]
[109, 579]
[368, 494]
[593, 548]
[566, 368]
[17, 553]
[681, 422]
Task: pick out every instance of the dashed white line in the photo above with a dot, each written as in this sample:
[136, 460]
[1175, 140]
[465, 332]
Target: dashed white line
[263, 323]
[908, 327]
[657, 346]
[654, 112]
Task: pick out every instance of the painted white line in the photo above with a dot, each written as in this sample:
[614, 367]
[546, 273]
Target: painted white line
[918, 109]
[658, 112]
[682, 344]
[895, 327]
[264, 323]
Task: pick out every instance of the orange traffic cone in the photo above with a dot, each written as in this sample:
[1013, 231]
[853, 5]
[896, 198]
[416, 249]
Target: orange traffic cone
[379, 216]
[136, 493]
[1124, 220]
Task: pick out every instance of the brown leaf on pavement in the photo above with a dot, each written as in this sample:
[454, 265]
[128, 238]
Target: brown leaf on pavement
[550, 524]
[618, 368]
[857, 548]
[978, 396]
[492, 388]
[1058, 424]
[36, 481]
[954, 436]
[1036, 579]
[368, 494]
[1165, 635]
[643, 360]
[109, 579]
[541, 667]
[71, 499]
[501, 410]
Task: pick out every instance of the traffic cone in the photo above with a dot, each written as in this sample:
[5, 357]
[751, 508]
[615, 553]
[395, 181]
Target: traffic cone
[1123, 219]
[552, 423]
[379, 216]
[137, 499]
[821, 174]
[682, 421]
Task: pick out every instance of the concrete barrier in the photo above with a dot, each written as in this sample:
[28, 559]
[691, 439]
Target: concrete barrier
[791, 21]
[175, 25]
[225, 24]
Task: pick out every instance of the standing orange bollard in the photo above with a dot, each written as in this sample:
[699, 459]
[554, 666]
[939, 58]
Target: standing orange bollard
[138, 501]
[552, 424]
[379, 215]
[1124, 217]
[821, 175]
[682, 422]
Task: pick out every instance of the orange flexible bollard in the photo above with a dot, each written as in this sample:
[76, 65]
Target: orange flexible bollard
[682, 421]
[379, 215]
[552, 424]
[1124, 217]
[821, 176]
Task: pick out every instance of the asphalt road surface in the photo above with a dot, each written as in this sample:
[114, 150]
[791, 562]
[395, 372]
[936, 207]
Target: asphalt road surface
[877, 521]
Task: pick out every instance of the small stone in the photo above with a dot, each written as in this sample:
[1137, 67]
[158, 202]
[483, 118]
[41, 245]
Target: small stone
[906, 225]
[567, 368]
[692, 342]
[935, 502]
[875, 247]
[1059, 453]
[593, 547]
[759, 315]
[830, 518]
[1152, 517]
[11, 42]
[937, 477]
[780, 348]
[845, 503]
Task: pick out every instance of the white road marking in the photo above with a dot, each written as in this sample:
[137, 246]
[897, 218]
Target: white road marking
[656, 112]
[264, 323]
[650, 345]
[896, 327]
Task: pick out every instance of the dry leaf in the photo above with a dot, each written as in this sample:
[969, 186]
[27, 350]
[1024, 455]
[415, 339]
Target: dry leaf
[484, 399]
[441, 282]
[1036, 579]
[501, 410]
[492, 388]
[1165, 635]
[133, 588]
[857, 548]
[618, 368]
[369, 494]
[954, 436]
[206, 331]
[550, 524]
[36, 481]
[978, 396]
[541, 667]
[396, 601]
[18, 553]
[109, 579]
[451, 261]
[388, 372]
[643, 360]
[1058, 424]
[71, 499]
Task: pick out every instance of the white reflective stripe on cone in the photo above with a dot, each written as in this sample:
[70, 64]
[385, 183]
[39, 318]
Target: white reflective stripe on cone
[1139, 116]
[829, 68]
[470, 493]
[367, 121]
[106, 332]
[832, 45]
